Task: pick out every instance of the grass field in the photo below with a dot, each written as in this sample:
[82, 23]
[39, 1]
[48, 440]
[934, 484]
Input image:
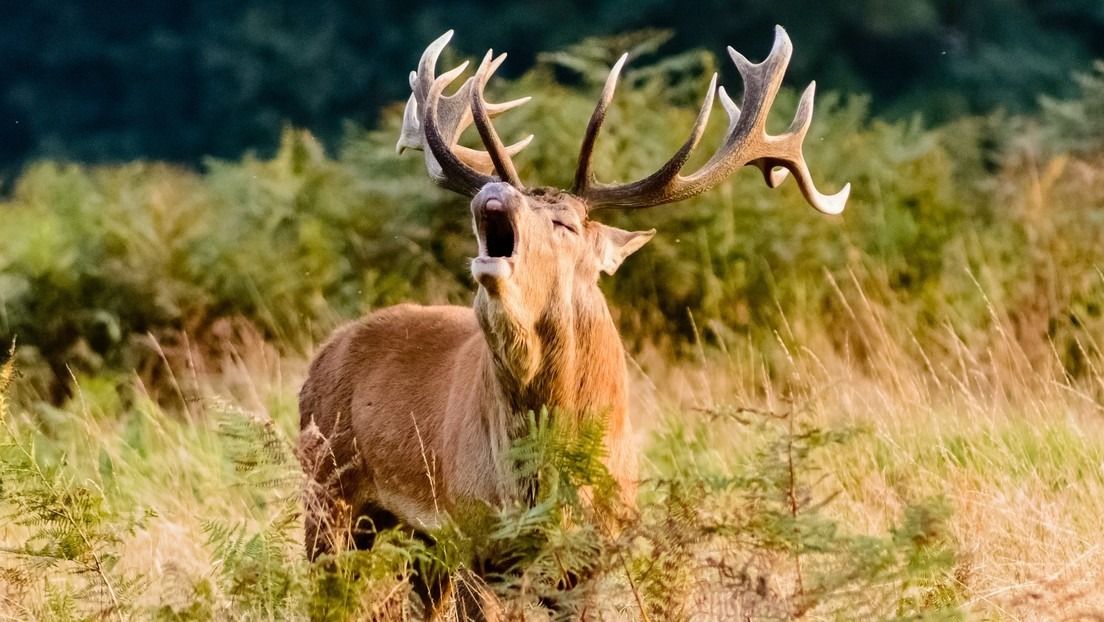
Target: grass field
[131, 510]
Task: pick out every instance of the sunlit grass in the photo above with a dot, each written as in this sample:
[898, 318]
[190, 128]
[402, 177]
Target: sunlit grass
[1015, 448]
[1019, 465]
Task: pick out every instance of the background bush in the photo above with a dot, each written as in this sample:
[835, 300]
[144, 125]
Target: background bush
[116, 265]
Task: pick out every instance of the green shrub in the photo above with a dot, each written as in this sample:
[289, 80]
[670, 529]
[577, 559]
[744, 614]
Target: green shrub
[1077, 124]
[121, 266]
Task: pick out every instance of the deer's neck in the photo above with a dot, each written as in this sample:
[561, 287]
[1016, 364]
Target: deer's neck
[567, 357]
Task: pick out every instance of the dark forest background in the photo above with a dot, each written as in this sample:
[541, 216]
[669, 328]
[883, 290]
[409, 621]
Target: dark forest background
[178, 80]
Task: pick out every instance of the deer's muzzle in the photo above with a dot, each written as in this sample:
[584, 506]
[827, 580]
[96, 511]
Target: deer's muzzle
[495, 214]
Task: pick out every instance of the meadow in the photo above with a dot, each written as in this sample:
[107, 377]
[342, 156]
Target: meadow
[895, 414]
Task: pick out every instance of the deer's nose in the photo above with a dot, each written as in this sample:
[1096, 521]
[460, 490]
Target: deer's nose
[498, 196]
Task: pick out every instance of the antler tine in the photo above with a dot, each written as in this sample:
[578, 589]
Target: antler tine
[584, 177]
[412, 136]
[773, 176]
[445, 166]
[498, 153]
[462, 168]
[657, 187]
[730, 107]
[761, 84]
[746, 142]
[803, 118]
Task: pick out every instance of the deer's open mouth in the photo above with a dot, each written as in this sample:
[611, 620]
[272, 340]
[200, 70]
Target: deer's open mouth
[497, 243]
[498, 234]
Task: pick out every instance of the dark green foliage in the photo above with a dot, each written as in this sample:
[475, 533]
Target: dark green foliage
[1078, 124]
[105, 258]
[549, 548]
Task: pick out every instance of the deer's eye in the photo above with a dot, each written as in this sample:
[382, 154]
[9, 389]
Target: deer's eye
[565, 226]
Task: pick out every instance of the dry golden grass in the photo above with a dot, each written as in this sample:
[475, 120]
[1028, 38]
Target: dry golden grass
[1015, 448]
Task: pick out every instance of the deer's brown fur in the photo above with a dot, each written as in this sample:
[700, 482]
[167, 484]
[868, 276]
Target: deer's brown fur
[418, 404]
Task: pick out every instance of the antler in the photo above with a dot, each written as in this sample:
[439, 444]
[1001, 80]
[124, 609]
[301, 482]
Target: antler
[433, 122]
[746, 143]
[481, 112]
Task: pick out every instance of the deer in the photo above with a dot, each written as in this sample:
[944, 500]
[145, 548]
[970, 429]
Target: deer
[412, 409]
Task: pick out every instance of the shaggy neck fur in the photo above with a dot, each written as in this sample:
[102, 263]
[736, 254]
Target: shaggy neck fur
[568, 356]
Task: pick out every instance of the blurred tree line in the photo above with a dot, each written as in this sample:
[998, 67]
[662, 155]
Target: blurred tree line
[178, 80]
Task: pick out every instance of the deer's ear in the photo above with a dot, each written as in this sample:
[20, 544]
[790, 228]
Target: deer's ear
[614, 245]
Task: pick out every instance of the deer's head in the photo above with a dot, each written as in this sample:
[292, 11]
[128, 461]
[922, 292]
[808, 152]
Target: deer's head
[539, 246]
[540, 239]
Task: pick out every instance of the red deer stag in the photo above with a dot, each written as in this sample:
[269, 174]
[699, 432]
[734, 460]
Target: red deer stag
[418, 405]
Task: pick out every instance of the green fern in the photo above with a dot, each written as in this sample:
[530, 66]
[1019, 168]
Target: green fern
[754, 541]
[259, 571]
[71, 527]
[1077, 125]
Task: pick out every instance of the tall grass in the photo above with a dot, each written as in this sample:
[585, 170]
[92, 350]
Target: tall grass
[198, 519]
[826, 489]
